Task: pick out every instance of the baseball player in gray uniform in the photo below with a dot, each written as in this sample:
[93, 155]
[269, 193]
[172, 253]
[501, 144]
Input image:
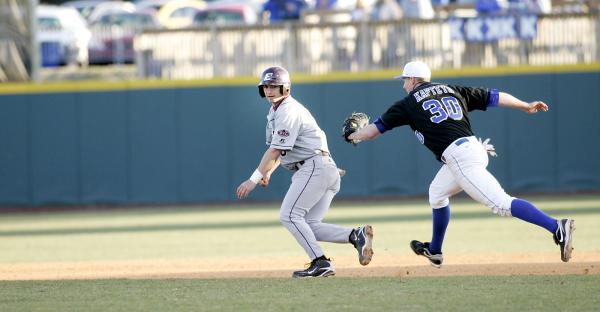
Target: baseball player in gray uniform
[296, 142]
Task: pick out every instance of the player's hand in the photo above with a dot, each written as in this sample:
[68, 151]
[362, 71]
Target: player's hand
[245, 188]
[536, 106]
[264, 182]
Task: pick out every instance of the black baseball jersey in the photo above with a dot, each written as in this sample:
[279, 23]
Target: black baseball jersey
[437, 113]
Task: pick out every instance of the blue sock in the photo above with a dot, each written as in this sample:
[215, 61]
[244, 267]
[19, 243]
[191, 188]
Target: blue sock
[526, 211]
[441, 217]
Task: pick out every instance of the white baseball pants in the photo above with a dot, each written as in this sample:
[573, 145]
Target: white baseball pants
[465, 162]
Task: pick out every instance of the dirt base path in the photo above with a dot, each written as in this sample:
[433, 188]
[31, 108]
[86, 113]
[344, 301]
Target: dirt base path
[583, 263]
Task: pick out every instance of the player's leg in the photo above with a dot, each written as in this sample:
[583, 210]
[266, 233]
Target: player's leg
[482, 186]
[471, 174]
[441, 189]
[308, 187]
[468, 163]
[326, 232]
[361, 238]
[561, 229]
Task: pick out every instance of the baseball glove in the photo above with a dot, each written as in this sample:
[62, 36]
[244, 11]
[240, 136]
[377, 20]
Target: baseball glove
[355, 122]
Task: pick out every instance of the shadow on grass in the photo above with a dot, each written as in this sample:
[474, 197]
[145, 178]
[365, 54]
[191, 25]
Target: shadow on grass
[484, 214]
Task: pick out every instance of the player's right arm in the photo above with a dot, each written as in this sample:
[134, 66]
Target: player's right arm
[264, 181]
[268, 164]
[510, 101]
[395, 116]
[369, 132]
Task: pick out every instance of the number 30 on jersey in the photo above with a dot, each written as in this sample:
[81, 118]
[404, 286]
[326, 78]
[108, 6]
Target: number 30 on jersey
[440, 111]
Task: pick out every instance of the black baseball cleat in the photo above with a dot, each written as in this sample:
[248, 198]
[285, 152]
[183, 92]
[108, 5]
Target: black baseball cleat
[563, 237]
[362, 239]
[422, 249]
[318, 268]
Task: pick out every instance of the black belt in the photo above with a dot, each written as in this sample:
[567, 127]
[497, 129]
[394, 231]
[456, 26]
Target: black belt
[300, 163]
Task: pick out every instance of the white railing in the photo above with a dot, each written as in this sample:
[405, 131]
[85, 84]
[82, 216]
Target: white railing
[333, 47]
[18, 59]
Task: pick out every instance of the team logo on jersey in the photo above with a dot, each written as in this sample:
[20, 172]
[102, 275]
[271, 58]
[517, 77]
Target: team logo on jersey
[281, 140]
[283, 133]
[420, 136]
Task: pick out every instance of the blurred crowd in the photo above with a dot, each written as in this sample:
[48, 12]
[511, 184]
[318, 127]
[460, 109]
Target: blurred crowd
[101, 32]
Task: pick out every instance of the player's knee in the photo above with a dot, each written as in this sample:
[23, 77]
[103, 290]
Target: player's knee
[439, 202]
[312, 222]
[501, 205]
[436, 200]
[284, 217]
[314, 225]
[287, 217]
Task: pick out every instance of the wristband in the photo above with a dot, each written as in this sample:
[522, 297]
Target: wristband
[256, 176]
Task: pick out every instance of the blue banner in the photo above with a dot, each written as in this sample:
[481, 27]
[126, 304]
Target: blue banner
[493, 28]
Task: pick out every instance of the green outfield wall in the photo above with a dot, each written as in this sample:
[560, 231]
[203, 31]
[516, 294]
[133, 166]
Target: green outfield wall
[194, 142]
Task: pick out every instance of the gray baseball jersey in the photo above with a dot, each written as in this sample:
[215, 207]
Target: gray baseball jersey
[292, 129]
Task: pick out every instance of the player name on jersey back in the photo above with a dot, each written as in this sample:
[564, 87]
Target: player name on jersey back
[433, 90]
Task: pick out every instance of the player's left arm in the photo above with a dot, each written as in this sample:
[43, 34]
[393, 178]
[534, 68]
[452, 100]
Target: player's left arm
[268, 164]
[510, 101]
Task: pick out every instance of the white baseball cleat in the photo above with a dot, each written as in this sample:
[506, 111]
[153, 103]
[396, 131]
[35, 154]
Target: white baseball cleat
[564, 238]
[362, 239]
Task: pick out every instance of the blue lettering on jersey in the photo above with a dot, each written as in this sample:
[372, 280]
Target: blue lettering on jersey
[440, 112]
[453, 107]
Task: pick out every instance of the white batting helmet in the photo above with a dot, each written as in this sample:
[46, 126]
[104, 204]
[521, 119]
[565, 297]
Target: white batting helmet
[415, 69]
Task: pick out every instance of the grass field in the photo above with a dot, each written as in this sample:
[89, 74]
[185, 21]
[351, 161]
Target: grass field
[234, 258]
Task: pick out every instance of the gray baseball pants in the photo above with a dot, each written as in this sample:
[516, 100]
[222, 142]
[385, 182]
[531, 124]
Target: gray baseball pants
[307, 201]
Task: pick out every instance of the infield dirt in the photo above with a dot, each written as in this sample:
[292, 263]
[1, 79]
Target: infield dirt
[405, 266]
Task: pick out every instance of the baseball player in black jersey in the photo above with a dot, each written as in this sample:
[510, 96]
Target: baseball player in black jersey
[438, 115]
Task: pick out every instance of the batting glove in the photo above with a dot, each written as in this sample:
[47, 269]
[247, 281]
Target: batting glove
[489, 148]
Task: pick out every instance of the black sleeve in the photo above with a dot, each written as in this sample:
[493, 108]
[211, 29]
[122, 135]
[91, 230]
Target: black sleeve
[475, 98]
[396, 115]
